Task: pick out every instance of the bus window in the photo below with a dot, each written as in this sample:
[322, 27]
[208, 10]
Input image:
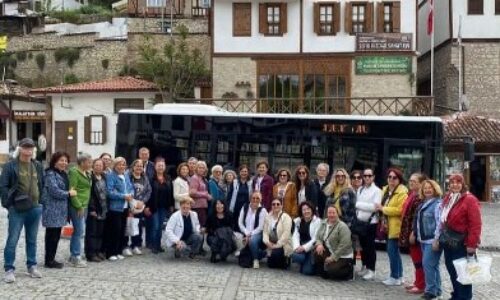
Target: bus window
[408, 159]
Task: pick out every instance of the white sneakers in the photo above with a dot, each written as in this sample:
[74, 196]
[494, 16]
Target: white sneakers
[392, 281]
[9, 276]
[127, 252]
[120, 257]
[113, 258]
[136, 251]
[77, 262]
[362, 272]
[256, 264]
[34, 273]
[369, 275]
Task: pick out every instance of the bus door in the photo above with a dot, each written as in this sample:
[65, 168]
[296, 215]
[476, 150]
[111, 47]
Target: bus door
[408, 155]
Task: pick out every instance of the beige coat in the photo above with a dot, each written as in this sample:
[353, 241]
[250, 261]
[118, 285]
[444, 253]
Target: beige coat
[283, 229]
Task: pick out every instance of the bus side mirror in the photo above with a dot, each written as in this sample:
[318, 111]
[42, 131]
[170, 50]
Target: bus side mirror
[468, 149]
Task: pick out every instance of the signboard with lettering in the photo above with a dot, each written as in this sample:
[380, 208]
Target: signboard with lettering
[383, 65]
[384, 42]
[29, 115]
[345, 129]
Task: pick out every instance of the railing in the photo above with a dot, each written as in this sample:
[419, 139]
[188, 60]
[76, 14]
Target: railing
[379, 106]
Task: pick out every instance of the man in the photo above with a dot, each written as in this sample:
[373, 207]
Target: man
[149, 168]
[322, 172]
[21, 184]
[192, 161]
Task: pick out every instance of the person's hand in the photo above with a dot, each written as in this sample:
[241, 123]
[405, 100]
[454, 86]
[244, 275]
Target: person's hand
[320, 249]
[80, 213]
[179, 246]
[300, 249]
[72, 192]
[412, 239]
[93, 214]
[128, 197]
[329, 260]
[269, 245]
[379, 207]
[147, 212]
[435, 245]
[471, 251]
[139, 204]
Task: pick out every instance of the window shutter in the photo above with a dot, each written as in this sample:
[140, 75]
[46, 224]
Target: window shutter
[316, 18]
[369, 17]
[262, 18]
[380, 17]
[396, 17]
[104, 130]
[348, 18]
[336, 17]
[242, 19]
[283, 18]
[86, 130]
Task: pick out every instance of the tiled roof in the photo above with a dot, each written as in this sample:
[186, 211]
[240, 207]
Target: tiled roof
[118, 84]
[482, 129]
[11, 89]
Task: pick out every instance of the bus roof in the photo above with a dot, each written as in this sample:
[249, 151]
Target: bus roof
[214, 111]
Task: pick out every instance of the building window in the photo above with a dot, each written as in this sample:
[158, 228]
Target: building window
[198, 8]
[155, 3]
[326, 91]
[272, 18]
[128, 103]
[358, 18]
[497, 7]
[283, 88]
[242, 19]
[388, 17]
[326, 19]
[475, 7]
[95, 130]
[3, 129]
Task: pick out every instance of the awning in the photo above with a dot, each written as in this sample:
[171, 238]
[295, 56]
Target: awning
[4, 111]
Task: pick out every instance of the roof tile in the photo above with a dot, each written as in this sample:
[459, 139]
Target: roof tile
[482, 129]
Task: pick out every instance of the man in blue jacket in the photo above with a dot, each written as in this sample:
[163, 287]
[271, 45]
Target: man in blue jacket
[21, 184]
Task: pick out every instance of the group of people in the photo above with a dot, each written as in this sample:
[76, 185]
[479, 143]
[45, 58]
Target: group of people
[319, 224]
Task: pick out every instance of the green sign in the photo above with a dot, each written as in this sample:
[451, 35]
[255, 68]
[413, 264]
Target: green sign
[383, 65]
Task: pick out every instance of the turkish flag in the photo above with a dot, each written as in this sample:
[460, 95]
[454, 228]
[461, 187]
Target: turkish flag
[430, 18]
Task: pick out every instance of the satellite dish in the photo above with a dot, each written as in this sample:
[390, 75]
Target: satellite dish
[42, 143]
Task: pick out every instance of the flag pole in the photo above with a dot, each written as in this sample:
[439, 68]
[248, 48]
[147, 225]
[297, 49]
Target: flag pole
[432, 49]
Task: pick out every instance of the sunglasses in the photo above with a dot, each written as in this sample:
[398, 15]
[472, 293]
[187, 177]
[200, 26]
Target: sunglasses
[367, 175]
[356, 177]
[301, 173]
[276, 204]
[392, 177]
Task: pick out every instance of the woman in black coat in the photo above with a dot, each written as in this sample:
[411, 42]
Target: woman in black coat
[306, 189]
[220, 232]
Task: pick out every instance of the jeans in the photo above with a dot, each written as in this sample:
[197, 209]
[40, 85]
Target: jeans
[193, 244]
[395, 262]
[30, 220]
[460, 291]
[75, 244]
[256, 246]
[306, 262]
[430, 263]
[156, 221]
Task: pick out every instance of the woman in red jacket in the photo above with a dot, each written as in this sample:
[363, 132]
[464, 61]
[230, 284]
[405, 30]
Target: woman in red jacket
[264, 183]
[462, 214]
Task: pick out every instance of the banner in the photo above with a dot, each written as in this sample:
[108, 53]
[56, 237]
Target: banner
[383, 65]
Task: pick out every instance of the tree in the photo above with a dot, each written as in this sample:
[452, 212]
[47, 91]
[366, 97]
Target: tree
[174, 68]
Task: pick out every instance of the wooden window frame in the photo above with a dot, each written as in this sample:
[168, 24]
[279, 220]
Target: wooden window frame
[473, 10]
[394, 21]
[118, 104]
[319, 24]
[94, 137]
[323, 19]
[264, 23]
[388, 22]
[497, 7]
[274, 23]
[197, 10]
[247, 5]
[355, 21]
[350, 22]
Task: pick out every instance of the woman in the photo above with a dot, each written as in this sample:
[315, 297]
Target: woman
[263, 183]
[462, 215]
[393, 197]
[368, 197]
[142, 193]
[220, 232]
[96, 218]
[285, 191]
[55, 199]
[183, 231]
[198, 190]
[160, 204]
[181, 184]
[239, 193]
[108, 162]
[333, 250]
[356, 180]
[215, 187]
[228, 178]
[340, 193]
[410, 206]
[81, 181]
[304, 237]
[306, 189]
[277, 236]
[251, 224]
[120, 193]
[322, 179]
[426, 228]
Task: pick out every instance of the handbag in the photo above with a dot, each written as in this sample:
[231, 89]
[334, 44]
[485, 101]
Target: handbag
[273, 235]
[451, 239]
[473, 269]
[361, 228]
[382, 230]
[132, 226]
[23, 201]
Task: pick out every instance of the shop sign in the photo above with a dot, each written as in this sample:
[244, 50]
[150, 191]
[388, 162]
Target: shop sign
[29, 115]
[345, 129]
[384, 42]
[383, 65]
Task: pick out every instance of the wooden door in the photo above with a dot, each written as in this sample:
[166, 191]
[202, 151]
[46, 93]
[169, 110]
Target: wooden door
[66, 138]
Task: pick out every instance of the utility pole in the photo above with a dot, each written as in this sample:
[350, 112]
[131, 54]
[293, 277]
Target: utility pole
[460, 79]
[171, 77]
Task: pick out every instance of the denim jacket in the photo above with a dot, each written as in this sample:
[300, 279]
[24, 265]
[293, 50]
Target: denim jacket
[117, 189]
[426, 225]
[9, 181]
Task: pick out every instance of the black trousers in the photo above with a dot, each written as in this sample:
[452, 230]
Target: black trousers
[114, 232]
[94, 234]
[368, 252]
[52, 237]
[277, 260]
[341, 269]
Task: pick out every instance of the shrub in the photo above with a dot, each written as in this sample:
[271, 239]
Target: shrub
[21, 56]
[71, 78]
[105, 64]
[40, 61]
[128, 70]
[70, 55]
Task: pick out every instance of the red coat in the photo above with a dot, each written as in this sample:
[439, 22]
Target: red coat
[266, 189]
[465, 217]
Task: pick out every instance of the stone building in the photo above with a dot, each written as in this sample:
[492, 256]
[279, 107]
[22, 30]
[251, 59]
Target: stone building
[469, 29]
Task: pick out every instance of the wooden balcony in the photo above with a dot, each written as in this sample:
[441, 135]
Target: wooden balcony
[376, 106]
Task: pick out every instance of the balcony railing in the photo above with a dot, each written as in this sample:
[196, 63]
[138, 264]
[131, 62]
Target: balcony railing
[378, 106]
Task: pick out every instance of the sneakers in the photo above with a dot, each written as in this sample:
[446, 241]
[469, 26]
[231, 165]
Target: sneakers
[428, 296]
[9, 276]
[415, 291]
[369, 275]
[127, 252]
[54, 265]
[34, 273]
[77, 262]
[237, 253]
[362, 272]
[256, 264]
[136, 251]
[102, 256]
[94, 258]
[177, 253]
[392, 282]
[120, 257]
[113, 258]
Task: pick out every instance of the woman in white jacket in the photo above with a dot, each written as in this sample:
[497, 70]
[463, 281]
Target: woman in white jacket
[181, 184]
[183, 230]
[304, 237]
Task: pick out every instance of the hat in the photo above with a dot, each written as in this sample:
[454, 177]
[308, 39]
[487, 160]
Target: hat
[27, 143]
[457, 177]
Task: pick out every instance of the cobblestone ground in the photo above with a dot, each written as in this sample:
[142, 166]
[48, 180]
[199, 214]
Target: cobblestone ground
[161, 277]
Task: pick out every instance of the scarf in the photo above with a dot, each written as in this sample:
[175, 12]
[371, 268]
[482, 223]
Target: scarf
[447, 208]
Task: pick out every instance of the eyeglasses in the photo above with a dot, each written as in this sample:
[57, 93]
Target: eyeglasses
[276, 204]
[356, 177]
[368, 175]
[302, 173]
[392, 177]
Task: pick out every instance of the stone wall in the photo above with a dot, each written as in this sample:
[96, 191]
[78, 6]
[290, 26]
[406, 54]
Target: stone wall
[153, 25]
[227, 71]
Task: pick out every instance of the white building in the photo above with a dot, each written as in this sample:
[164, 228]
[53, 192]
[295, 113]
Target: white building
[83, 116]
[301, 49]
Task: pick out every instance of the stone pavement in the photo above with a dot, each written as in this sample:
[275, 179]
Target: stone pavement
[161, 277]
